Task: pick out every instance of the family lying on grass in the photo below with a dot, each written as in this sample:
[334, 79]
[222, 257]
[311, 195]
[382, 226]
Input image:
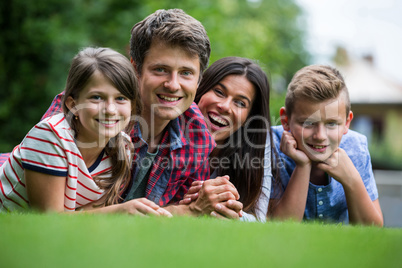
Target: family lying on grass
[159, 136]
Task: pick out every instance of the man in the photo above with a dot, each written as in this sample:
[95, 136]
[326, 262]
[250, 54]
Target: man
[169, 50]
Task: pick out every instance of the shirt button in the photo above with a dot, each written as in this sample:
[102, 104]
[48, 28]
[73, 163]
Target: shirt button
[320, 203]
[319, 190]
[320, 215]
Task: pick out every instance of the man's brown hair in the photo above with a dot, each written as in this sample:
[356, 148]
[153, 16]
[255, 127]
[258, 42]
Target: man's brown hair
[174, 28]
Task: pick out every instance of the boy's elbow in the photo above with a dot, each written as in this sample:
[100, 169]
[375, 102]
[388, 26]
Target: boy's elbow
[380, 221]
[377, 221]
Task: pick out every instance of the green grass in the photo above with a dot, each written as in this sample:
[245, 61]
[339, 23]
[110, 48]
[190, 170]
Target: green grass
[32, 240]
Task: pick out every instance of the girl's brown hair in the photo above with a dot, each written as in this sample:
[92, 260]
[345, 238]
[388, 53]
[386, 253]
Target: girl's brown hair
[118, 69]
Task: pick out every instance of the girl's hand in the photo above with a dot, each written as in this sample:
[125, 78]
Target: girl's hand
[139, 206]
[143, 206]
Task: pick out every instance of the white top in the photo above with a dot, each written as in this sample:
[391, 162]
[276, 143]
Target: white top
[261, 208]
[49, 148]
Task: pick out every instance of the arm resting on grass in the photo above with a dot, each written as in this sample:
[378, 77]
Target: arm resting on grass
[293, 201]
[46, 194]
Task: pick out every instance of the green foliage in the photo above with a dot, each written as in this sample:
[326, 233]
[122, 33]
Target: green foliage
[30, 240]
[39, 39]
[276, 102]
[268, 31]
[384, 156]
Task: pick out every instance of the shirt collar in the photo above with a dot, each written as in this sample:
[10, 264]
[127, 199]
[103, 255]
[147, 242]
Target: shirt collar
[173, 136]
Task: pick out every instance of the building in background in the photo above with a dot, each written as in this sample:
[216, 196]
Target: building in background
[377, 107]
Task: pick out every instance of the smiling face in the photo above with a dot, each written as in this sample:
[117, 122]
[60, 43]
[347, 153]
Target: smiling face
[101, 109]
[227, 105]
[168, 82]
[318, 127]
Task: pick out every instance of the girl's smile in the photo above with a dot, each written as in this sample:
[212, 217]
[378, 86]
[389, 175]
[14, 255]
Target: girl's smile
[101, 109]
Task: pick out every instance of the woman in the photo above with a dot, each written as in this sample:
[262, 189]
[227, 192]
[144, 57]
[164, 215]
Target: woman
[233, 96]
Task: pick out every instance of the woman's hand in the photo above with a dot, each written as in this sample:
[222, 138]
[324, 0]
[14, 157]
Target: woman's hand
[215, 193]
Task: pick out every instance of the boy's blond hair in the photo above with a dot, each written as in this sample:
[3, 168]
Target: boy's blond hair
[316, 83]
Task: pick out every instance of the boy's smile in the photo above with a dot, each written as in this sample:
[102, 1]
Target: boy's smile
[318, 127]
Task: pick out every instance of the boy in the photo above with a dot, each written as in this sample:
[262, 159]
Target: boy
[324, 167]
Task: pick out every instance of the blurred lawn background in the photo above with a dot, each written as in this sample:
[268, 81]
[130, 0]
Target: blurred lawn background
[31, 240]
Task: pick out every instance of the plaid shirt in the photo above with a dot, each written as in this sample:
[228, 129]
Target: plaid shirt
[182, 157]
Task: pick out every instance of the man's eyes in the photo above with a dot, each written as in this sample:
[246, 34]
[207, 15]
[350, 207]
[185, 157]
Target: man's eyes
[164, 70]
[160, 70]
[187, 73]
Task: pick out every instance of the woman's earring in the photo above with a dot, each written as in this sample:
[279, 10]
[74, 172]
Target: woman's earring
[76, 117]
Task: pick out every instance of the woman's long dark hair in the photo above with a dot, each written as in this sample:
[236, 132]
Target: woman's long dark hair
[243, 146]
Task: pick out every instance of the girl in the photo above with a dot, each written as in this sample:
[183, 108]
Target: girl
[233, 96]
[76, 157]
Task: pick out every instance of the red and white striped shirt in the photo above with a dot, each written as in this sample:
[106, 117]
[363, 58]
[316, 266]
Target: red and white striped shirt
[49, 148]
